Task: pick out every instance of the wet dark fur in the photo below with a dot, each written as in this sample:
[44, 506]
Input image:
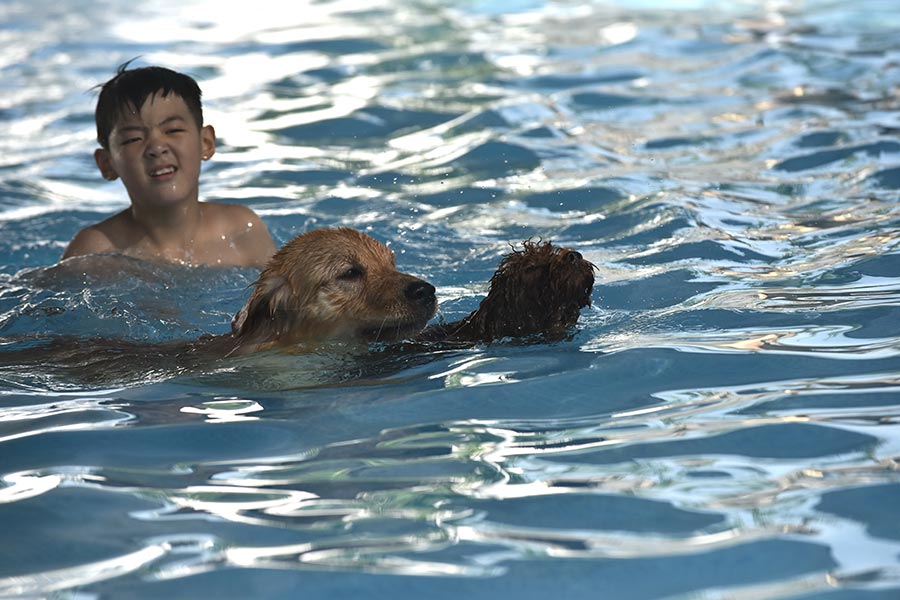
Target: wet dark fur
[540, 289]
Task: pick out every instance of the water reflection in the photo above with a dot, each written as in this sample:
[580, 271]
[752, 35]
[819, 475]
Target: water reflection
[50, 582]
[61, 415]
[225, 410]
[730, 398]
[823, 340]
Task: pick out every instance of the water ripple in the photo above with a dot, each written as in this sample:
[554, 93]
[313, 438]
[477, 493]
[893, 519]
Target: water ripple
[730, 398]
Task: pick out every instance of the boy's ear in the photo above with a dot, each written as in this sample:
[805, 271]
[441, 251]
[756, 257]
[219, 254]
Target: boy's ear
[208, 141]
[104, 163]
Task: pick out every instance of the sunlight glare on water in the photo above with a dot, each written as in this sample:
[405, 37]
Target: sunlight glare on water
[722, 423]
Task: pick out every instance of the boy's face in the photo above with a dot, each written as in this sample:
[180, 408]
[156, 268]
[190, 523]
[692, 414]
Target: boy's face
[157, 152]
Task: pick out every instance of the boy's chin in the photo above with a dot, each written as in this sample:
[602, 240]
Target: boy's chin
[168, 194]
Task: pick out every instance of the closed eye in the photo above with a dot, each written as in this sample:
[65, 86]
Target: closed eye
[352, 274]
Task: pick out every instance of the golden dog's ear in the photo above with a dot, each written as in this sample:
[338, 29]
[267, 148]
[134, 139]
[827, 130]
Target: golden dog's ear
[258, 316]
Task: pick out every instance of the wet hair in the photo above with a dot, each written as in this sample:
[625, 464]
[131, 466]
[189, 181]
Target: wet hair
[130, 88]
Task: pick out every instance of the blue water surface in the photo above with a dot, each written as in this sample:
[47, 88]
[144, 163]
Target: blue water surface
[723, 422]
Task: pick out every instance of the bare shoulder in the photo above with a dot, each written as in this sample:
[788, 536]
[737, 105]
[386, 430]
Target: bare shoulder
[109, 235]
[234, 215]
[89, 240]
[94, 239]
[246, 231]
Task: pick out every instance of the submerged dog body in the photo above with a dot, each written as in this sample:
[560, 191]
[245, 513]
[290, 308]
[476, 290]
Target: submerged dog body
[341, 285]
[332, 285]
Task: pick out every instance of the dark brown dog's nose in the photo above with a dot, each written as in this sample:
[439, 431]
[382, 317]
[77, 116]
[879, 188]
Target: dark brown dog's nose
[421, 291]
[573, 256]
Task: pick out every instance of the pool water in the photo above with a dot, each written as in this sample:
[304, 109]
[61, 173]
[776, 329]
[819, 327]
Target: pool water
[722, 423]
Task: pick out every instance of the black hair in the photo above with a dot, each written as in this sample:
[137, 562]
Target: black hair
[129, 89]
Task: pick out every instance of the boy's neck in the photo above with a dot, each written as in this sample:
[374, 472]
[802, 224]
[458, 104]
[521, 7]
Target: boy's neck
[170, 229]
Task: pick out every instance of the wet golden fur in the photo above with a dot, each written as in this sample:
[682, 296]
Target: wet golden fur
[332, 285]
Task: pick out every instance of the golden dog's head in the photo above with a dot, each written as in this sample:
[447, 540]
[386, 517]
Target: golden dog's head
[332, 285]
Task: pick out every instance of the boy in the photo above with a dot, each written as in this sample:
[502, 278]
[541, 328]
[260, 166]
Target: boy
[151, 133]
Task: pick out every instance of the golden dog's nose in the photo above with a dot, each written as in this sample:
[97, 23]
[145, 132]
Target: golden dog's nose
[421, 291]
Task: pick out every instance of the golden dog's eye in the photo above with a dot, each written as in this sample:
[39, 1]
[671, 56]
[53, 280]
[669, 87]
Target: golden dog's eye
[351, 274]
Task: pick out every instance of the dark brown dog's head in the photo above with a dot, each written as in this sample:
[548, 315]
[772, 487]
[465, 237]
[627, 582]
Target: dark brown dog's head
[332, 284]
[539, 289]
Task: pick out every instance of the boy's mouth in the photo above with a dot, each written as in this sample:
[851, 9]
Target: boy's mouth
[162, 171]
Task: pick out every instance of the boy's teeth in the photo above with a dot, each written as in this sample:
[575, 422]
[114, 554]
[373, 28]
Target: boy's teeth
[163, 171]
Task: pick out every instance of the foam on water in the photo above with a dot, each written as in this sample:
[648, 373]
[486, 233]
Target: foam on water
[720, 424]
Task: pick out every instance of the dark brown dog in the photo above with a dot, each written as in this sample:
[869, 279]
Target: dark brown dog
[539, 289]
[330, 285]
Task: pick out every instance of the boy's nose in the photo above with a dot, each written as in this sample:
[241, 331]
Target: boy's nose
[156, 145]
[157, 150]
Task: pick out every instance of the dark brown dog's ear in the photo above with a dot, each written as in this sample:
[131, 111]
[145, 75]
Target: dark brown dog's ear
[256, 317]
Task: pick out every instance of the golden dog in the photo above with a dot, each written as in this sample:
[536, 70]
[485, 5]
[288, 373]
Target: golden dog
[330, 285]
